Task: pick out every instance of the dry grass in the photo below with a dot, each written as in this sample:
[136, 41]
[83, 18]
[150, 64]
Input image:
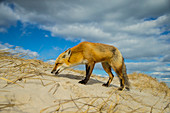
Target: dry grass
[15, 68]
[147, 82]
[106, 104]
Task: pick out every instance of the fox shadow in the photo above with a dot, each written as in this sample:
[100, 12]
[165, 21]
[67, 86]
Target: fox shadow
[90, 82]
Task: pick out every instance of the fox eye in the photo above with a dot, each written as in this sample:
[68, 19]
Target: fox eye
[57, 64]
[64, 56]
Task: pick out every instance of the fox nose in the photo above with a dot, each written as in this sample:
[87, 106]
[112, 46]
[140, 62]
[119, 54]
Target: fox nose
[52, 71]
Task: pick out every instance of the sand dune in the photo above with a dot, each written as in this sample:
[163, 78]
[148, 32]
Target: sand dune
[27, 86]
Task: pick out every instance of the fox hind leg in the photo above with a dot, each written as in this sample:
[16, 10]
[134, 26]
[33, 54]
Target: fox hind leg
[121, 78]
[118, 69]
[107, 68]
[122, 84]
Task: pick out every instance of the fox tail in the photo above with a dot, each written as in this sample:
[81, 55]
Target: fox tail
[127, 84]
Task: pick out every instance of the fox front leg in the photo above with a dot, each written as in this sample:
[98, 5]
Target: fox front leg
[89, 69]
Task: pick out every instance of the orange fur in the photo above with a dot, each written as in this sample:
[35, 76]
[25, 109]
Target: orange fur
[90, 53]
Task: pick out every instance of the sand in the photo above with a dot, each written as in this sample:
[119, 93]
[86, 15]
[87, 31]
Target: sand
[27, 86]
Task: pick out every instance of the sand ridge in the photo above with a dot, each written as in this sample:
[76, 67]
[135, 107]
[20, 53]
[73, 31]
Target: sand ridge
[27, 86]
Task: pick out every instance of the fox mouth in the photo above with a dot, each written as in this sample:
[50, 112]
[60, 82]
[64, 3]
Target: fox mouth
[57, 72]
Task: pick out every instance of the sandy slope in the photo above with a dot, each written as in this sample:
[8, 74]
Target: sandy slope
[26, 86]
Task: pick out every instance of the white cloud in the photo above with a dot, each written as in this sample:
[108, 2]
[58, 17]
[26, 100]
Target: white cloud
[156, 69]
[166, 58]
[57, 48]
[143, 48]
[161, 74]
[46, 36]
[2, 30]
[26, 51]
[8, 17]
[147, 27]
[8, 45]
[78, 31]
[146, 66]
[51, 61]
[132, 26]
[17, 49]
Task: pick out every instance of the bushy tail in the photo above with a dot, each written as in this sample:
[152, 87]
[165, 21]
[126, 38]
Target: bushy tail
[127, 84]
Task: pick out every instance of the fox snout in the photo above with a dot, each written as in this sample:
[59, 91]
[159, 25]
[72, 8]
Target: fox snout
[56, 73]
[52, 71]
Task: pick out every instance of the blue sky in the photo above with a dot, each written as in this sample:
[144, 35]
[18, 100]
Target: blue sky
[45, 28]
[37, 40]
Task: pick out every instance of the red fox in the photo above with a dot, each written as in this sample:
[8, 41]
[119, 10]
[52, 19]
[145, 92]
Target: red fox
[89, 53]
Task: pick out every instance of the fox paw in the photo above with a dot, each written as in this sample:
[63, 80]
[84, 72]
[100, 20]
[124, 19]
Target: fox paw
[127, 88]
[106, 85]
[82, 82]
[121, 88]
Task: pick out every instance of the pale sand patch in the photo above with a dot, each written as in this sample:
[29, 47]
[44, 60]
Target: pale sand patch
[27, 86]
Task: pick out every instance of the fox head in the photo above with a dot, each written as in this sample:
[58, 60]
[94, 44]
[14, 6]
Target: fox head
[62, 62]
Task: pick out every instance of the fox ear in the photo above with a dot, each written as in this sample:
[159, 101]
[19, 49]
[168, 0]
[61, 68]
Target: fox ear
[67, 54]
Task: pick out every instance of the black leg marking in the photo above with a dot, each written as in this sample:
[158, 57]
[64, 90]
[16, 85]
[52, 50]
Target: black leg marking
[107, 84]
[89, 69]
[122, 87]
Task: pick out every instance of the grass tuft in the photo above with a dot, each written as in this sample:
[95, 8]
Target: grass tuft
[16, 69]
